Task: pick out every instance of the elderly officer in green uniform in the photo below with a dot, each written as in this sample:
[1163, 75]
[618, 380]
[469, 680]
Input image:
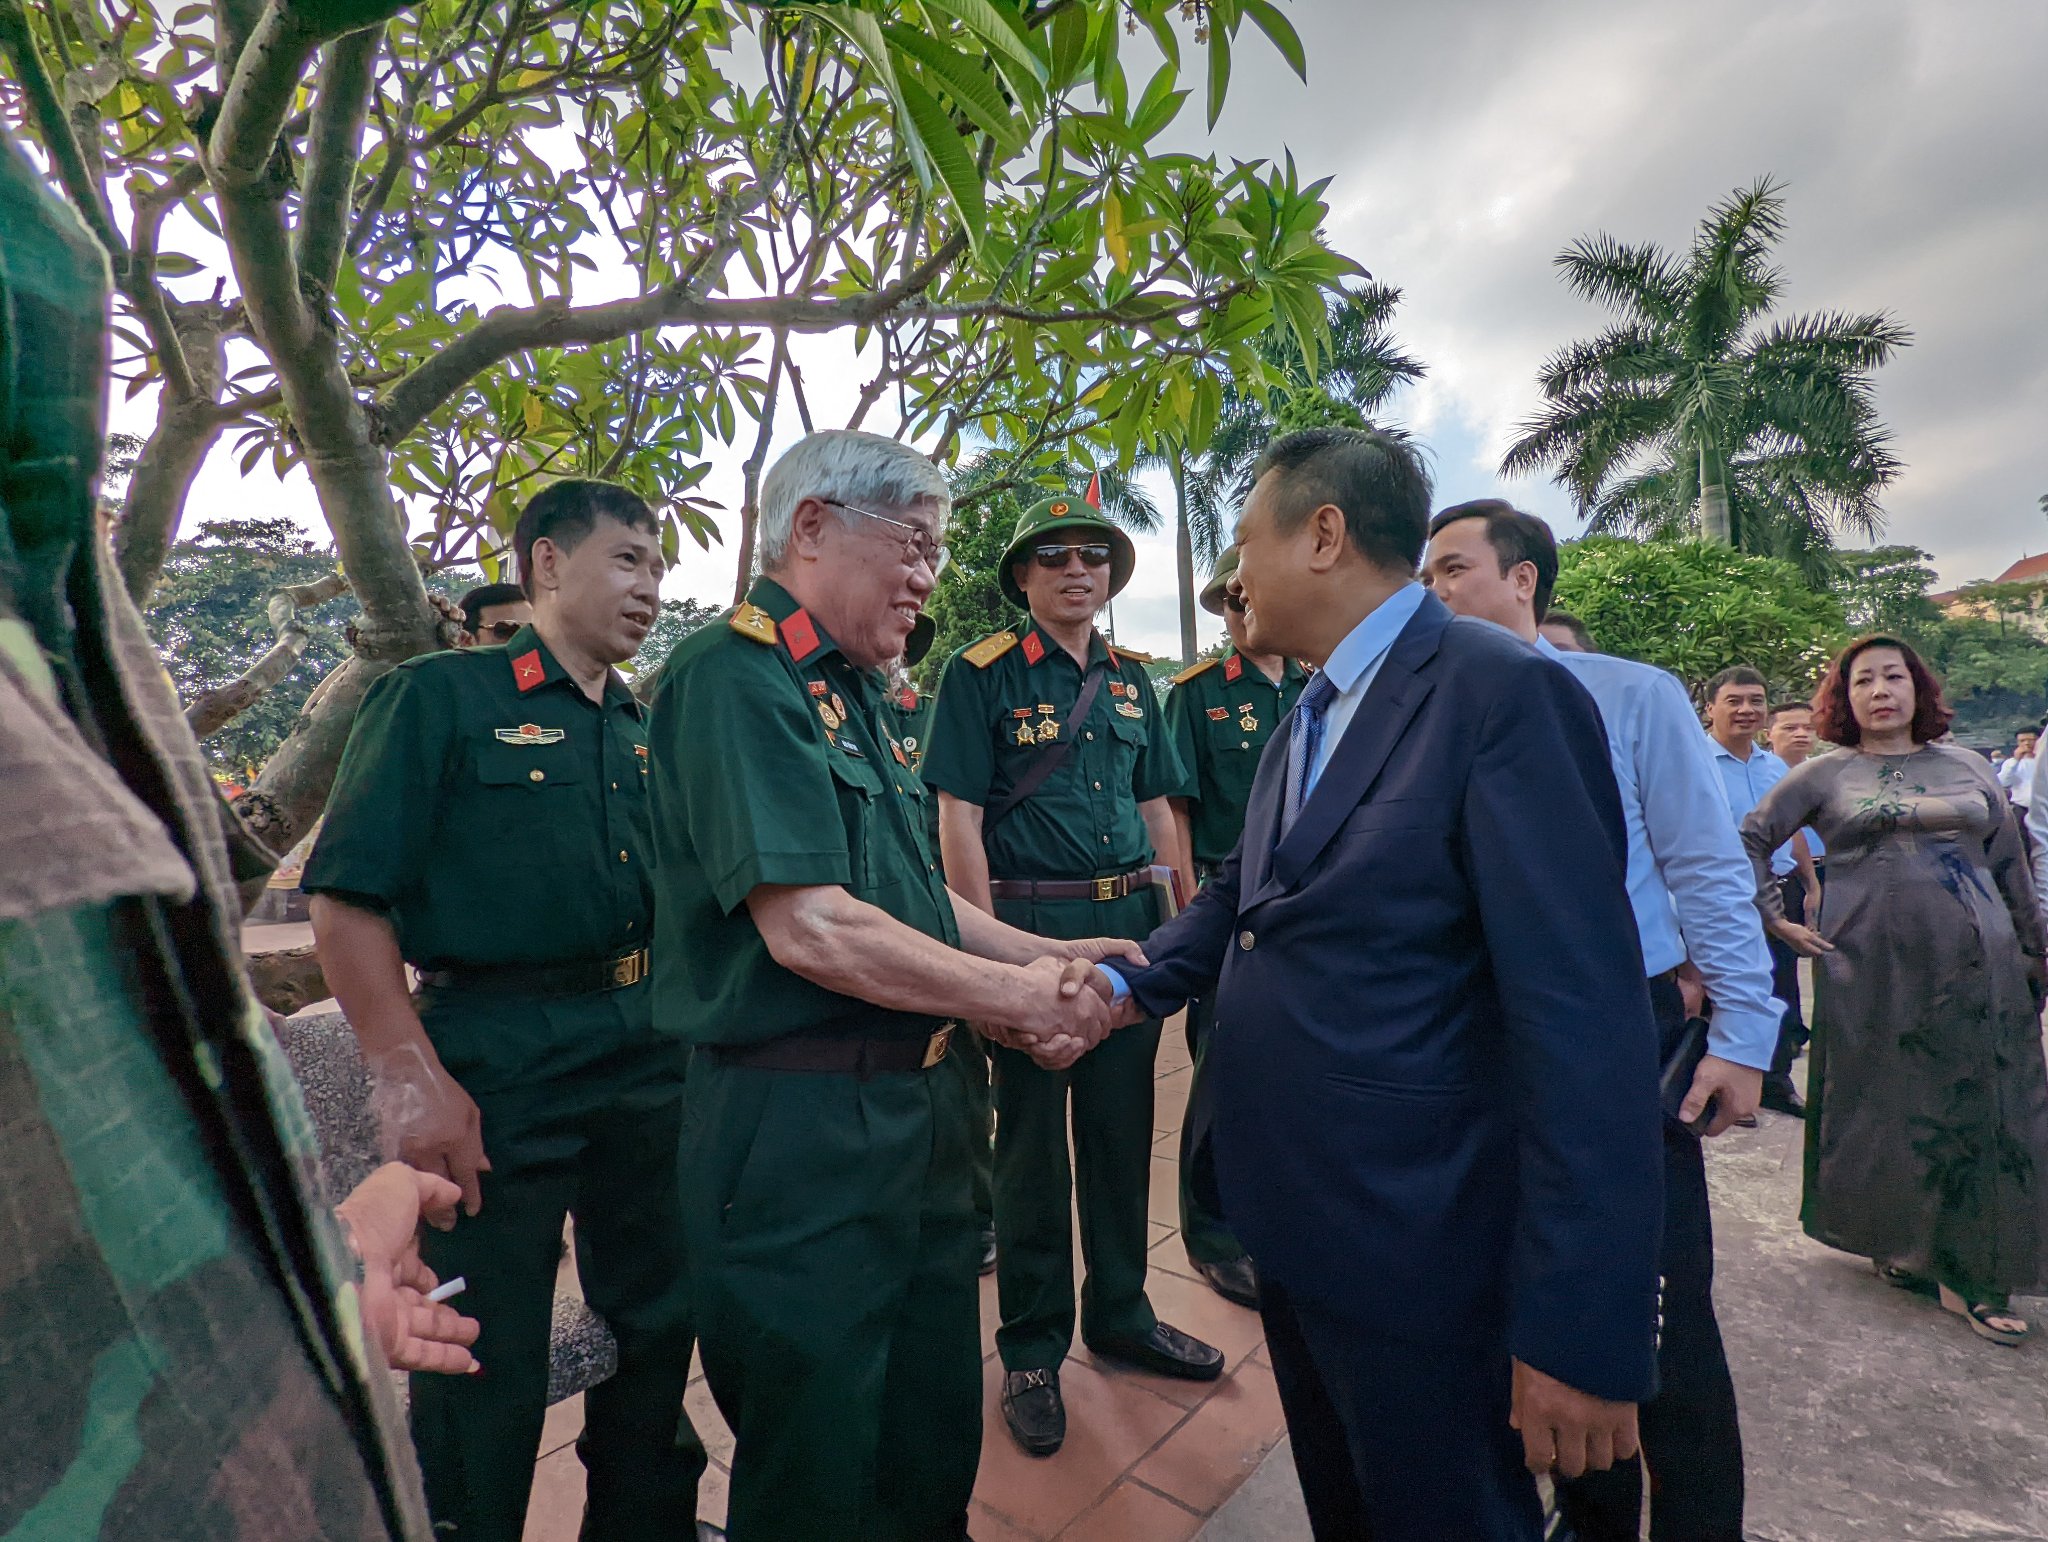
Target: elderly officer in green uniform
[908, 711]
[1220, 713]
[489, 826]
[809, 951]
[1053, 771]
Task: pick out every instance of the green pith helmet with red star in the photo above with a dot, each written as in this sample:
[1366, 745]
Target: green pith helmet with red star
[1057, 516]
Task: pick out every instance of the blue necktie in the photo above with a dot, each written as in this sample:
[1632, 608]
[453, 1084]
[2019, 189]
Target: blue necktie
[1304, 744]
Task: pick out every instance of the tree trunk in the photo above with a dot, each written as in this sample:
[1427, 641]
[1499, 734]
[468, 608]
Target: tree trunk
[185, 433]
[1183, 555]
[1715, 523]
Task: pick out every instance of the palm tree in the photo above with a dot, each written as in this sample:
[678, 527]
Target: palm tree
[1359, 368]
[1695, 400]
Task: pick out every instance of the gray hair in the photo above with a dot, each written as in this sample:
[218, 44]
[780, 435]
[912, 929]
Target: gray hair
[865, 470]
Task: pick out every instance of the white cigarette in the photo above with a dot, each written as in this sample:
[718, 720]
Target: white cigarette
[454, 1287]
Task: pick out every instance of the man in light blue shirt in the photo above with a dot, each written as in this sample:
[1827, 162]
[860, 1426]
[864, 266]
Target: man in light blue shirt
[1690, 886]
[1736, 714]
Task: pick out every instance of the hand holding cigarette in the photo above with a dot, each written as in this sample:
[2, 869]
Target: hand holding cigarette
[404, 1305]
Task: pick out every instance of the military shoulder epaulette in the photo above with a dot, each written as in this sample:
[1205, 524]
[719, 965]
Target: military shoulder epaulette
[1192, 670]
[989, 649]
[754, 622]
[1132, 655]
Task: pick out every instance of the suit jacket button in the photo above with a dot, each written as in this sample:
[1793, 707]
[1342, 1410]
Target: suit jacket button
[1245, 940]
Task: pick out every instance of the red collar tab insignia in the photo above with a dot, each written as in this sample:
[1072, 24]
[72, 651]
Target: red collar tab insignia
[818, 687]
[531, 733]
[1233, 667]
[1034, 647]
[799, 635]
[528, 671]
[906, 699]
[1219, 715]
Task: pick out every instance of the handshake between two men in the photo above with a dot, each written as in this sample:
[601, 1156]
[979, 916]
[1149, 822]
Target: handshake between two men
[1073, 1003]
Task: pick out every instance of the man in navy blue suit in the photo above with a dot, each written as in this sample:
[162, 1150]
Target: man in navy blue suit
[1435, 1110]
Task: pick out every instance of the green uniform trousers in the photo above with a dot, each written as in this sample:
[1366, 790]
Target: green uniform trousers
[1204, 1232]
[1111, 1092]
[967, 1058]
[832, 1244]
[597, 1143]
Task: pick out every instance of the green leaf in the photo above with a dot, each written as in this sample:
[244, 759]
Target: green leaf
[1159, 106]
[864, 32]
[999, 27]
[1219, 73]
[949, 157]
[1267, 17]
[966, 83]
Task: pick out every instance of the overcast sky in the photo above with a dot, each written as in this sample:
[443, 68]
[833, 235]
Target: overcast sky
[1469, 142]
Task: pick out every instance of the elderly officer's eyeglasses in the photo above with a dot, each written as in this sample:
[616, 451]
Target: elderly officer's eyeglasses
[1233, 601]
[918, 545]
[1055, 557]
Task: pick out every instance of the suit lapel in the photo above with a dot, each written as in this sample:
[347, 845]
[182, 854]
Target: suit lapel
[1395, 696]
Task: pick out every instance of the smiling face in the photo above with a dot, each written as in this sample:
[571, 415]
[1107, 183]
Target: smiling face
[1270, 561]
[870, 586]
[603, 594]
[1736, 713]
[1881, 693]
[1071, 593]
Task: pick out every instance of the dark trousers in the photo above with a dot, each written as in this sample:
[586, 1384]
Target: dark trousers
[1037, 1192]
[1397, 1441]
[1692, 1439]
[832, 1265]
[613, 1168]
[1792, 1034]
[1203, 1230]
[967, 1058]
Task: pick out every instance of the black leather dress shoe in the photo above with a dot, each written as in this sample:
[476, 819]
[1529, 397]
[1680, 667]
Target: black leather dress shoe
[988, 1251]
[1033, 1410]
[1781, 1097]
[1164, 1351]
[1234, 1280]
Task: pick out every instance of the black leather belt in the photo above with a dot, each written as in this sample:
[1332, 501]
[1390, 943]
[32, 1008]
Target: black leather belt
[1071, 888]
[585, 977]
[838, 1053]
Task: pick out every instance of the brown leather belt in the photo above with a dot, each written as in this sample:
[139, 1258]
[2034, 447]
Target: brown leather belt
[585, 977]
[838, 1053]
[1071, 888]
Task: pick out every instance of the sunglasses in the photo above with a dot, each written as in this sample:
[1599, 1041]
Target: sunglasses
[1055, 557]
[1233, 602]
[498, 631]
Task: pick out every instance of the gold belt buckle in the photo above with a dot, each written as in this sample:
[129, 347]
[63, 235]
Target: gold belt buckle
[630, 970]
[1105, 889]
[935, 1050]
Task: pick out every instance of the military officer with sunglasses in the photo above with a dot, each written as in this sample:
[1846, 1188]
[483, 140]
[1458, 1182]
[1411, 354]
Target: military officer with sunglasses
[1053, 769]
[1220, 713]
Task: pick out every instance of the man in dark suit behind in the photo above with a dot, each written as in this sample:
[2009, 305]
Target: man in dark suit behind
[1435, 1095]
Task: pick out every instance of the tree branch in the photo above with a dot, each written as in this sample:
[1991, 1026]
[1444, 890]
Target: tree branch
[333, 148]
[212, 710]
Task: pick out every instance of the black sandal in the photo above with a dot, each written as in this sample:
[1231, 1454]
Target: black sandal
[1903, 1279]
[1984, 1317]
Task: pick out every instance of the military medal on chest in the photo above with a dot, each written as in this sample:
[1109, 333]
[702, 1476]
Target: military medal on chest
[1246, 720]
[1048, 729]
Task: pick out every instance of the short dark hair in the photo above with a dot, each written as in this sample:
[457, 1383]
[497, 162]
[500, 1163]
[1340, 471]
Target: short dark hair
[1734, 674]
[567, 511]
[483, 597]
[1515, 538]
[1790, 706]
[1573, 625]
[1377, 479]
[1835, 720]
